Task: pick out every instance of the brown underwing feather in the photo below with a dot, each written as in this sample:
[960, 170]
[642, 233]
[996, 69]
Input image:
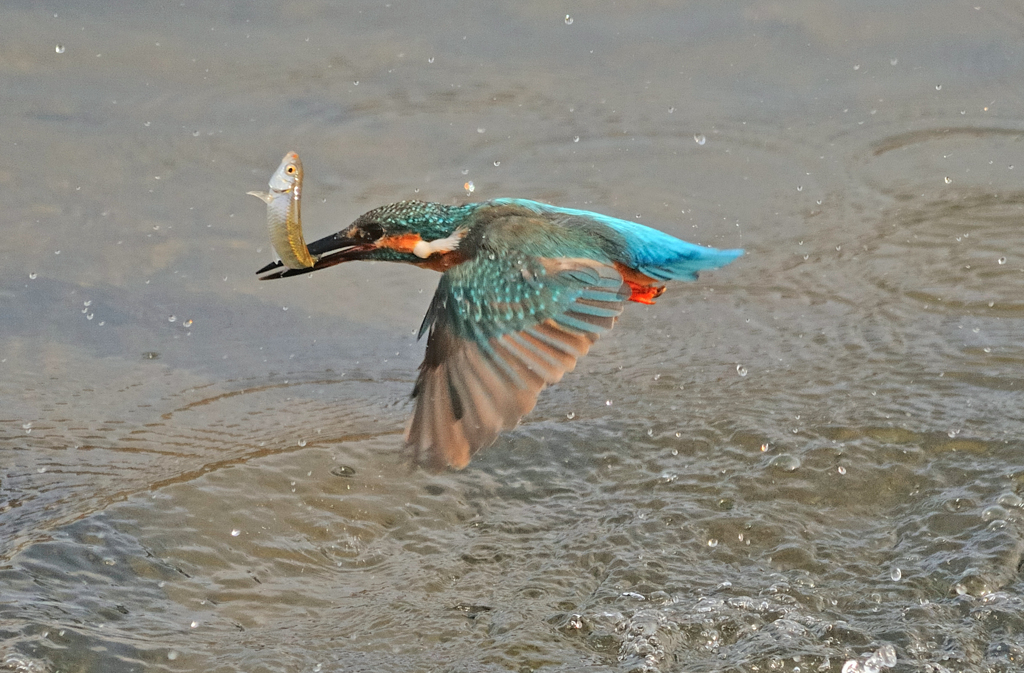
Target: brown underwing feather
[470, 388]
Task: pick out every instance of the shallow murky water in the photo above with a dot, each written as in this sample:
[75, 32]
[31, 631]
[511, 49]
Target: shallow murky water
[810, 458]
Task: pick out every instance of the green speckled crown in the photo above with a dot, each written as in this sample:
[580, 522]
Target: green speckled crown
[430, 220]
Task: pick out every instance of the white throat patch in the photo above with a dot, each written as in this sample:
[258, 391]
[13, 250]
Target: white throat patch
[424, 249]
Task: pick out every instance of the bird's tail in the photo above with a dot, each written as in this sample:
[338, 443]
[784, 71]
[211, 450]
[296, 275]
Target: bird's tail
[684, 262]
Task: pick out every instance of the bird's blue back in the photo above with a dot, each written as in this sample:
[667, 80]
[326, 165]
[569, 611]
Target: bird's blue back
[652, 252]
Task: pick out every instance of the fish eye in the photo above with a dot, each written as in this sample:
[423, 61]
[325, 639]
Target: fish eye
[290, 170]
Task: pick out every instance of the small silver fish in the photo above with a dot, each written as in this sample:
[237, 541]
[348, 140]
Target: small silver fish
[283, 218]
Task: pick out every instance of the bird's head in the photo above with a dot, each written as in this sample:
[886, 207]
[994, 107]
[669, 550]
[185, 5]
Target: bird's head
[415, 232]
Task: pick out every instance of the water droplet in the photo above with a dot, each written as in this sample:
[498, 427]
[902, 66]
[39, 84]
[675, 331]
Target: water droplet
[87, 303]
[302, 442]
[195, 134]
[713, 542]
[953, 433]
[785, 462]
[886, 656]
[608, 403]
[150, 355]
[857, 67]
[799, 188]
[993, 512]
[172, 318]
[59, 48]
[235, 532]
[1001, 260]
[841, 470]
[430, 60]
[194, 624]
[33, 276]
[671, 110]
[571, 415]
[469, 186]
[741, 370]
[938, 87]
[948, 179]
[896, 574]
[343, 471]
[575, 139]
[568, 20]
[90, 316]
[172, 654]
[819, 202]
[699, 138]
[187, 323]
[893, 61]
[497, 163]
[480, 129]
[650, 432]
[764, 447]
[1010, 499]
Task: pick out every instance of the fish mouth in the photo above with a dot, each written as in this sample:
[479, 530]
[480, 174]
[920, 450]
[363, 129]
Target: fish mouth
[327, 252]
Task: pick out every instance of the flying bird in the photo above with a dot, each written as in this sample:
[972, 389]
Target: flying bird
[526, 289]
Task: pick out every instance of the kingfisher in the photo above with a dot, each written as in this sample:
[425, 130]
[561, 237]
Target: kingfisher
[526, 289]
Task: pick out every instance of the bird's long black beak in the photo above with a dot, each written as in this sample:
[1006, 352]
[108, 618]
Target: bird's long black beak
[328, 251]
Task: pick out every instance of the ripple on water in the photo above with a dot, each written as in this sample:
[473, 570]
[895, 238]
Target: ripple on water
[67, 467]
[947, 249]
[564, 537]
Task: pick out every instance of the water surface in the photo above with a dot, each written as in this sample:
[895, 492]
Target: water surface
[809, 457]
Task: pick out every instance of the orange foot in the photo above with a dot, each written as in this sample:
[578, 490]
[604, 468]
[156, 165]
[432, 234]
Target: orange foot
[645, 294]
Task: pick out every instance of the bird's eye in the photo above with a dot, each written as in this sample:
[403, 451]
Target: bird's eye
[371, 231]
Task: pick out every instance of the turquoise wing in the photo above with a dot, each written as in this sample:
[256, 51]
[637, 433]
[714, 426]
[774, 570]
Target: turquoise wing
[501, 328]
[652, 252]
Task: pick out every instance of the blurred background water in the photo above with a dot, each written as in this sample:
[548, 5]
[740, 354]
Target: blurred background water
[810, 460]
